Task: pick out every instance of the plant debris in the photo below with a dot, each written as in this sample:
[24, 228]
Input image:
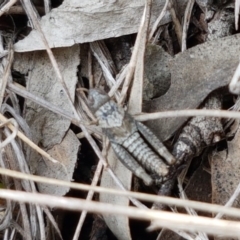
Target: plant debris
[147, 56]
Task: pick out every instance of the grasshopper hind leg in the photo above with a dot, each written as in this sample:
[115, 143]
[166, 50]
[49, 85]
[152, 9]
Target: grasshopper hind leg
[129, 162]
[155, 143]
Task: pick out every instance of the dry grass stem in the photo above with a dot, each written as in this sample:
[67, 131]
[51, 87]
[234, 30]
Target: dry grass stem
[231, 200]
[176, 22]
[83, 107]
[156, 23]
[135, 99]
[104, 59]
[237, 8]
[188, 113]
[133, 61]
[28, 141]
[18, 10]
[89, 198]
[186, 21]
[6, 71]
[21, 91]
[18, 186]
[29, 186]
[234, 85]
[119, 80]
[206, 207]
[90, 71]
[13, 122]
[105, 145]
[160, 218]
[1, 44]
[47, 6]
[190, 211]
[7, 6]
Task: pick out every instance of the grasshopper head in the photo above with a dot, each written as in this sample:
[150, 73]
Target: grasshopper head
[96, 98]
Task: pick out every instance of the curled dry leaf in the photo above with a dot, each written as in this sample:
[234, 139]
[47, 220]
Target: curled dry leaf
[225, 172]
[66, 153]
[194, 74]
[80, 21]
[157, 78]
[47, 127]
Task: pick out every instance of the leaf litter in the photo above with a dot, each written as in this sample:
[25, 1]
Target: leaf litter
[192, 78]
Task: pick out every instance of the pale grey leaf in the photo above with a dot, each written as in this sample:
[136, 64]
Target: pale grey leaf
[87, 21]
[47, 127]
[119, 225]
[194, 74]
[66, 154]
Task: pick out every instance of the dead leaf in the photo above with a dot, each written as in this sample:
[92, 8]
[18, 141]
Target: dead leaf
[157, 73]
[194, 74]
[66, 153]
[47, 127]
[225, 175]
[118, 224]
[199, 188]
[225, 172]
[80, 21]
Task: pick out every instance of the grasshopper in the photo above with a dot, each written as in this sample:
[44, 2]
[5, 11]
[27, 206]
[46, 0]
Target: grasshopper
[134, 144]
[199, 132]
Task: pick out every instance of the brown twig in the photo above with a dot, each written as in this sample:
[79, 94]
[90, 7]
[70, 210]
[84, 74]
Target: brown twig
[206, 207]
[156, 23]
[176, 22]
[188, 113]
[29, 142]
[104, 59]
[89, 198]
[21, 91]
[18, 10]
[47, 6]
[7, 6]
[90, 74]
[132, 64]
[160, 218]
[135, 99]
[237, 8]
[119, 81]
[6, 71]
[186, 22]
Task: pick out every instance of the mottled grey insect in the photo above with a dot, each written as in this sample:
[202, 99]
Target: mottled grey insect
[134, 144]
[199, 133]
